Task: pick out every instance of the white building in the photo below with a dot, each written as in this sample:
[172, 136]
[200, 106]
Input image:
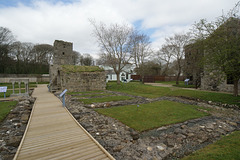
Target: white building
[125, 75]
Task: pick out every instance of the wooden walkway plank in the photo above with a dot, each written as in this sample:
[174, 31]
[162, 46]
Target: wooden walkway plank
[53, 133]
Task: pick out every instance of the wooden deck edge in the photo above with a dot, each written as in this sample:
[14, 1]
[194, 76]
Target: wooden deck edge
[24, 135]
[90, 136]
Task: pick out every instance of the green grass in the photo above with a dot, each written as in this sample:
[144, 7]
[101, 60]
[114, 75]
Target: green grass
[139, 89]
[173, 83]
[9, 92]
[5, 108]
[93, 95]
[152, 115]
[74, 69]
[184, 86]
[104, 99]
[227, 148]
[86, 92]
[148, 91]
[170, 82]
[31, 85]
[16, 87]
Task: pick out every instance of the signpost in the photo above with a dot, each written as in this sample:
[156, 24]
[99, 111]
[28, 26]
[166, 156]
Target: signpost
[4, 90]
[63, 97]
[186, 81]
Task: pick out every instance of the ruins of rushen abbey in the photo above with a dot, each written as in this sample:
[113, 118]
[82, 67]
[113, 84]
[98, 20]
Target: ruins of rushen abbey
[65, 75]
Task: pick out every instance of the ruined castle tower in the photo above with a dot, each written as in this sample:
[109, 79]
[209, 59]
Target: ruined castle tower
[63, 53]
[65, 75]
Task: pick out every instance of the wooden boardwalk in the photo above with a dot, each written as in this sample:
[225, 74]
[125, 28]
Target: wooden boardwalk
[52, 133]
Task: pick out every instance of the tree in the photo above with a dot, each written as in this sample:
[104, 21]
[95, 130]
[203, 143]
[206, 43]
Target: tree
[140, 50]
[176, 44]
[165, 54]
[221, 41]
[149, 68]
[114, 42]
[6, 38]
[76, 57]
[22, 53]
[86, 60]
[43, 53]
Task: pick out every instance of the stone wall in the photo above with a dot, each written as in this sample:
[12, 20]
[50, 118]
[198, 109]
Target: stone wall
[5, 78]
[63, 53]
[209, 82]
[83, 81]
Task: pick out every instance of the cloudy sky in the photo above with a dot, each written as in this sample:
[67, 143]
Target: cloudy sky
[43, 21]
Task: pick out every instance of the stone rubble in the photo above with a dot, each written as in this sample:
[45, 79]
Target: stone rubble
[167, 142]
[13, 128]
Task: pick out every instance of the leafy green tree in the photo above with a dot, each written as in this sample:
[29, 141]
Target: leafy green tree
[220, 40]
[224, 50]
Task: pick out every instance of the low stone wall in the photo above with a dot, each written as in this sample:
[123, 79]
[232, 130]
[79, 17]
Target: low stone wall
[83, 81]
[211, 84]
[13, 127]
[5, 78]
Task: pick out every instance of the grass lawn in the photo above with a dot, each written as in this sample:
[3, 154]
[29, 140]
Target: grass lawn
[93, 95]
[9, 85]
[5, 108]
[184, 86]
[104, 99]
[173, 83]
[227, 148]
[152, 115]
[170, 82]
[86, 92]
[136, 88]
[9, 92]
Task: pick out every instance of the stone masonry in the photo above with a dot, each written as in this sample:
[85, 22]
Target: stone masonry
[80, 78]
[83, 81]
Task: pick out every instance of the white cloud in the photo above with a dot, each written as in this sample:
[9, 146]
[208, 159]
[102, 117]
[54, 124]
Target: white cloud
[43, 21]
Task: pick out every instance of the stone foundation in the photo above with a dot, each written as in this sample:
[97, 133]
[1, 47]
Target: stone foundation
[213, 84]
[83, 81]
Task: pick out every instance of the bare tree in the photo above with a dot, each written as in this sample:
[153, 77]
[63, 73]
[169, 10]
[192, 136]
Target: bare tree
[140, 48]
[43, 53]
[6, 38]
[86, 60]
[22, 51]
[165, 54]
[76, 57]
[176, 45]
[114, 42]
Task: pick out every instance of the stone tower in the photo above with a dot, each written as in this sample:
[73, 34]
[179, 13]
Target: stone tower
[63, 53]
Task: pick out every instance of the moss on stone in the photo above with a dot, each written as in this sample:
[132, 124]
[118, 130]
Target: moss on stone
[74, 69]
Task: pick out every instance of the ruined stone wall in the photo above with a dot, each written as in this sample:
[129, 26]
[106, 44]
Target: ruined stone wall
[63, 53]
[209, 82]
[83, 81]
